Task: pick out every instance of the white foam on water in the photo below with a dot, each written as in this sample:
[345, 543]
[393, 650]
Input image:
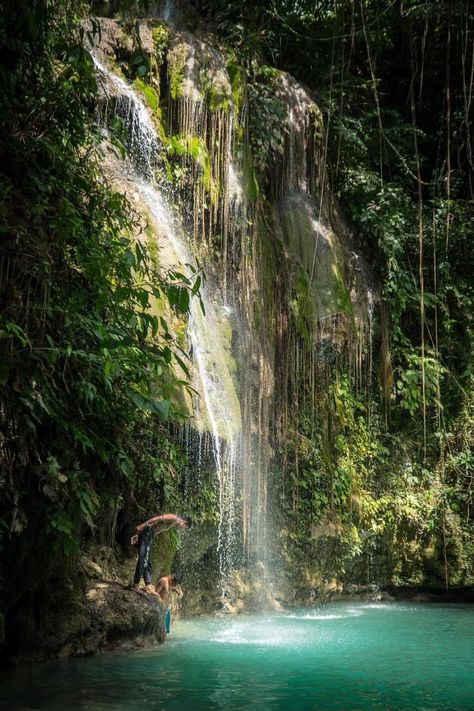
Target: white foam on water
[328, 616]
[248, 635]
[393, 606]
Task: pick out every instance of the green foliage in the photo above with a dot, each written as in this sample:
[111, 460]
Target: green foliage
[86, 362]
[139, 63]
[161, 40]
[266, 118]
[359, 480]
[359, 493]
[149, 93]
[86, 366]
[409, 383]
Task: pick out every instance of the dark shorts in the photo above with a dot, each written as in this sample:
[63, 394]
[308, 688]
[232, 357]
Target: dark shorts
[143, 569]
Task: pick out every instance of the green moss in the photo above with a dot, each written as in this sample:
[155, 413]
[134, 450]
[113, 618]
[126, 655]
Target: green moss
[193, 146]
[249, 177]
[176, 84]
[342, 294]
[163, 553]
[301, 305]
[149, 93]
[268, 73]
[176, 67]
[217, 100]
[318, 122]
[236, 76]
[152, 99]
[160, 36]
[317, 250]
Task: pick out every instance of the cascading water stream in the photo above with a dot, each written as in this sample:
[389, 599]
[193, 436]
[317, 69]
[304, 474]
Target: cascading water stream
[142, 143]
[168, 10]
[223, 423]
[370, 318]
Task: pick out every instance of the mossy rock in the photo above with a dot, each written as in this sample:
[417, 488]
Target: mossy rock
[249, 176]
[237, 82]
[319, 260]
[149, 93]
[164, 551]
[195, 148]
[176, 63]
[198, 73]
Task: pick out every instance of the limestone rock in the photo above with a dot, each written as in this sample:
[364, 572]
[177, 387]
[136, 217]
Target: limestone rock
[110, 617]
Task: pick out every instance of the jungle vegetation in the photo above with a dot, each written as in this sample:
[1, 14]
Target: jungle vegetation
[394, 81]
[86, 382]
[85, 364]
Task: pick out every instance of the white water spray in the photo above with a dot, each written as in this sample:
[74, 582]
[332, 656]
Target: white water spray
[141, 139]
[370, 316]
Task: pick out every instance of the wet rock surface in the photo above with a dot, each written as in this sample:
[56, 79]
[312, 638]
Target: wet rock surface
[103, 615]
[111, 618]
[121, 618]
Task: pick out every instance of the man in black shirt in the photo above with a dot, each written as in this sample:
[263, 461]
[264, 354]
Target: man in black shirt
[143, 538]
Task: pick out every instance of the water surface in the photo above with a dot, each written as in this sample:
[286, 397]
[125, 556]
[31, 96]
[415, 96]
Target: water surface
[339, 656]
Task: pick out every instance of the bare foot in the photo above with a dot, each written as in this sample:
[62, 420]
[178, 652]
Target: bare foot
[137, 589]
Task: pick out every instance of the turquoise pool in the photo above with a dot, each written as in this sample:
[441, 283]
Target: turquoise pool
[339, 656]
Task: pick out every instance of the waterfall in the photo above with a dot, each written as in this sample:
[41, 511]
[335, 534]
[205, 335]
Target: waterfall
[141, 140]
[168, 10]
[224, 425]
[223, 410]
[285, 297]
[370, 318]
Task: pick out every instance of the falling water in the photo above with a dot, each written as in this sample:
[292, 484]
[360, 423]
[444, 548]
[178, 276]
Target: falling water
[168, 10]
[223, 413]
[141, 140]
[221, 403]
[370, 317]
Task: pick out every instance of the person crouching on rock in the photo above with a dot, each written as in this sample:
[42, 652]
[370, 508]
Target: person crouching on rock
[144, 540]
[166, 585]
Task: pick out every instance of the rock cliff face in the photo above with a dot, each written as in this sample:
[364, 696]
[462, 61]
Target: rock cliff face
[229, 168]
[102, 615]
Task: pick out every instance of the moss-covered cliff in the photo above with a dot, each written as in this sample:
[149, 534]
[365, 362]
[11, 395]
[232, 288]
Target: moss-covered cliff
[320, 460]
